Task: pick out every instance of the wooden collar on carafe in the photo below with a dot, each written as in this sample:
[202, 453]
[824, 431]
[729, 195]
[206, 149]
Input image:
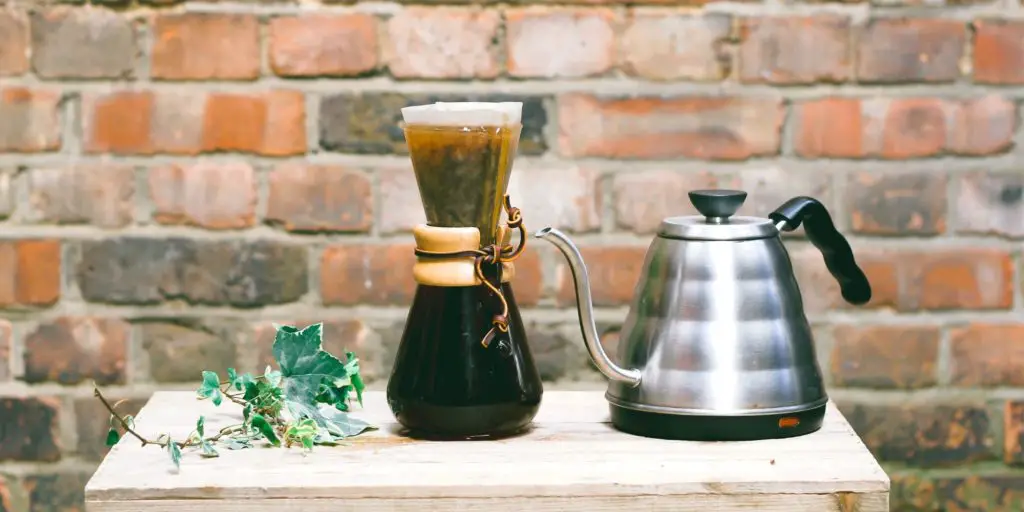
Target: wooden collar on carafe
[452, 256]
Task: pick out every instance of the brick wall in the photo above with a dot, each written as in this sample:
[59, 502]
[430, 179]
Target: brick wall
[174, 177]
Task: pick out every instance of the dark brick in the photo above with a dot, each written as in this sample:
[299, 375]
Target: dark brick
[987, 355]
[375, 348]
[550, 351]
[988, 492]
[178, 352]
[151, 270]
[93, 421]
[6, 346]
[370, 123]
[794, 50]
[925, 435]
[892, 356]
[897, 204]
[1013, 433]
[910, 50]
[29, 429]
[991, 203]
[82, 43]
[57, 492]
[72, 350]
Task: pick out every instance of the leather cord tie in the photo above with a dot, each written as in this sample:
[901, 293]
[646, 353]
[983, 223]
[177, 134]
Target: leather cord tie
[493, 255]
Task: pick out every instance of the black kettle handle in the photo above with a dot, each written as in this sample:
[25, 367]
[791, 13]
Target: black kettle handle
[821, 231]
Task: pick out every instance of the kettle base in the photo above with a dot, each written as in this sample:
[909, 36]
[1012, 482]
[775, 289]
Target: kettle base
[716, 428]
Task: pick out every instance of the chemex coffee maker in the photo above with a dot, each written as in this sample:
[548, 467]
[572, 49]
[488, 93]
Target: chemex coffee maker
[716, 345]
[463, 367]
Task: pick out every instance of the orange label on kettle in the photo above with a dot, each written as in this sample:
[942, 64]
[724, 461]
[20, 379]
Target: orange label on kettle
[788, 422]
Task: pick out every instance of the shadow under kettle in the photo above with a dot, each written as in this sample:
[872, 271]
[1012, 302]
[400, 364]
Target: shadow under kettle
[716, 345]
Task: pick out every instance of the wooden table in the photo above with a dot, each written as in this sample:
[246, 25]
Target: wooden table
[571, 460]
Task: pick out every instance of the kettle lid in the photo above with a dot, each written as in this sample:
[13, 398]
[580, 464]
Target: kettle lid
[717, 220]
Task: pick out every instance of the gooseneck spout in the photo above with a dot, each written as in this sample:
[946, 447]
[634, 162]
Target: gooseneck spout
[585, 307]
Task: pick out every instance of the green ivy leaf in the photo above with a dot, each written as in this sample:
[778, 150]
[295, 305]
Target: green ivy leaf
[211, 387]
[304, 367]
[233, 378]
[130, 421]
[341, 424]
[352, 366]
[208, 451]
[236, 444]
[174, 451]
[113, 437]
[264, 427]
[199, 427]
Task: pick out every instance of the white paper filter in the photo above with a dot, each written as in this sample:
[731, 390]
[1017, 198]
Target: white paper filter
[467, 113]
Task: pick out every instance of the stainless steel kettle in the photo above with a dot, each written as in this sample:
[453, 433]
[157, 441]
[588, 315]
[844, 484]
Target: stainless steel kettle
[716, 345]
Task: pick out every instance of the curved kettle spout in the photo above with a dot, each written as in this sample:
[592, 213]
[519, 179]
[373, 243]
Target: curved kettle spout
[585, 307]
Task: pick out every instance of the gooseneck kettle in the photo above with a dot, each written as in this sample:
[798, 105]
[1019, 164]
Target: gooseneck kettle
[716, 345]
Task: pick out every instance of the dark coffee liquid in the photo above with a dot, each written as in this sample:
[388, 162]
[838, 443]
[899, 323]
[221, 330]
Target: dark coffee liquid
[444, 385]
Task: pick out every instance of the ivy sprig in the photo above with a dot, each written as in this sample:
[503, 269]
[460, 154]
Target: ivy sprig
[306, 402]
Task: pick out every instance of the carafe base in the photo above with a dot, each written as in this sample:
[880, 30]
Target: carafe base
[474, 422]
[717, 428]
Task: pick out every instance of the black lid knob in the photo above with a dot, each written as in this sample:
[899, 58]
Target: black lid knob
[717, 203]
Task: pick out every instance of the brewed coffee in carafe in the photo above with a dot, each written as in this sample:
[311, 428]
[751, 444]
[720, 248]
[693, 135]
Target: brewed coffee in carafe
[463, 367]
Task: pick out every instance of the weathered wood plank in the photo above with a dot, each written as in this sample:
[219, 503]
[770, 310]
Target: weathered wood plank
[572, 459]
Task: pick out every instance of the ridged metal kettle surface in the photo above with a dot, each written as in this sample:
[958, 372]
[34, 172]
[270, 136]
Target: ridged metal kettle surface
[718, 326]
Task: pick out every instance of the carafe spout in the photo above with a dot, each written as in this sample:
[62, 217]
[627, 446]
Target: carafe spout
[585, 308]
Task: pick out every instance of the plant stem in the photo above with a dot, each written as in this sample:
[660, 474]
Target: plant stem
[121, 420]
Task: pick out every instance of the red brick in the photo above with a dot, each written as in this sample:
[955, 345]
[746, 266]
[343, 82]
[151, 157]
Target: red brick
[320, 198]
[31, 272]
[902, 128]
[367, 274]
[987, 355]
[967, 279]
[443, 42]
[713, 128]
[72, 350]
[82, 43]
[204, 46]
[100, 195]
[14, 43]
[6, 499]
[401, 208]
[271, 123]
[212, 195]
[323, 45]
[614, 272]
[29, 429]
[829, 127]
[886, 356]
[119, 122]
[795, 50]
[528, 283]
[821, 292]
[897, 203]
[991, 203]
[999, 51]
[642, 199]
[924, 434]
[982, 126]
[6, 347]
[914, 128]
[29, 120]
[560, 42]
[910, 50]
[650, 49]
[562, 197]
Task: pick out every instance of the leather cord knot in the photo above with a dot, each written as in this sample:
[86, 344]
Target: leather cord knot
[493, 255]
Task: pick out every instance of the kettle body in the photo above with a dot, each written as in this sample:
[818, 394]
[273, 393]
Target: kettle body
[716, 344]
